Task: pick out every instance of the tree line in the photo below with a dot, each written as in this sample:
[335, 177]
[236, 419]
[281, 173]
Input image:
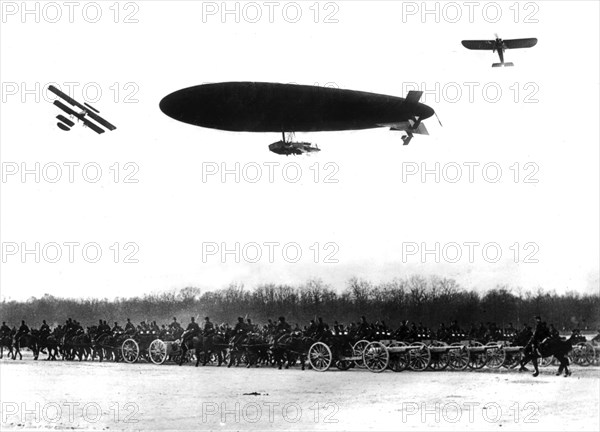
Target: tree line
[427, 300]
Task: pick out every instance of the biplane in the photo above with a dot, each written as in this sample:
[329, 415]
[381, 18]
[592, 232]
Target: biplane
[499, 45]
[290, 108]
[86, 114]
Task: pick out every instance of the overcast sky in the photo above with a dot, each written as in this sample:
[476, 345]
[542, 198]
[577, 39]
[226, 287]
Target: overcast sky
[373, 222]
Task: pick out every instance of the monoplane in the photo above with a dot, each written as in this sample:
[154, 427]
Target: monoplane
[86, 113]
[499, 45]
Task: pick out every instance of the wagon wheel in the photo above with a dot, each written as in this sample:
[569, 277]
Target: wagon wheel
[419, 358]
[398, 361]
[459, 358]
[589, 354]
[130, 351]
[477, 360]
[320, 357]
[357, 351]
[376, 357]
[496, 357]
[439, 360]
[157, 351]
[513, 359]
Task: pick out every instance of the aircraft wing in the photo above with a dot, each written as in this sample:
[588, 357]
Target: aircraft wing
[479, 44]
[85, 121]
[90, 112]
[520, 43]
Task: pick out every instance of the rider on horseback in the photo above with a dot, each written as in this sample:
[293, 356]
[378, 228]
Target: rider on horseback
[23, 330]
[282, 328]
[4, 330]
[192, 330]
[208, 333]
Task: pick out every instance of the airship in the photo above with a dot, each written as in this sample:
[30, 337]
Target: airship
[289, 108]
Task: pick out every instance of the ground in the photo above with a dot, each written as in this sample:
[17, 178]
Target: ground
[112, 396]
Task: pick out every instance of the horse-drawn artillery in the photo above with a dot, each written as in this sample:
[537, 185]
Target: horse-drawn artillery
[339, 350]
[138, 345]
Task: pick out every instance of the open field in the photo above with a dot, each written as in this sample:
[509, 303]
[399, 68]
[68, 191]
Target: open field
[107, 396]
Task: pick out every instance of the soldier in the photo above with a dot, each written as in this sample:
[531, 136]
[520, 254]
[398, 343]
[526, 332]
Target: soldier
[44, 329]
[208, 332]
[442, 332]
[240, 328]
[510, 331]
[192, 330]
[129, 327]
[282, 328]
[116, 328]
[4, 330]
[174, 326]
[321, 328]
[454, 329]
[539, 334]
[23, 330]
[363, 327]
[336, 328]
[162, 334]
[154, 327]
[251, 327]
[312, 328]
[413, 333]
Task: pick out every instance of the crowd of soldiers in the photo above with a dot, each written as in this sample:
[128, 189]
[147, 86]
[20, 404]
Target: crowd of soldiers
[316, 329]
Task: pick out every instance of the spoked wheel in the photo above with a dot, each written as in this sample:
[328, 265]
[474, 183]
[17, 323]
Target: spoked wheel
[513, 359]
[157, 351]
[588, 354]
[398, 361]
[479, 359]
[376, 357]
[358, 349]
[130, 351]
[496, 357]
[320, 357]
[459, 358]
[419, 357]
[439, 360]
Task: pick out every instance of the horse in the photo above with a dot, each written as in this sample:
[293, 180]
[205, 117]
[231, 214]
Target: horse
[26, 340]
[6, 341]
[290, 347]
[549, 347]
[206, 346]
